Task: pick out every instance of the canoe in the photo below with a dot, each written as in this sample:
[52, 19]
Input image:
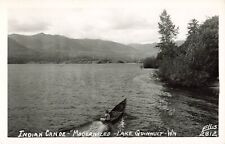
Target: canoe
[117, 112]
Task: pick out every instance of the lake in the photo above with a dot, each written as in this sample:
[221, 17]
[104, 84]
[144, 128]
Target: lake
[66, 96]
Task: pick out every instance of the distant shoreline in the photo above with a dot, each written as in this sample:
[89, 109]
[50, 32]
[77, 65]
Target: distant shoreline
[75, 63]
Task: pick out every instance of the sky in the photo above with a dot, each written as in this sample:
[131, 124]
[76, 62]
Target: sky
[123, 24]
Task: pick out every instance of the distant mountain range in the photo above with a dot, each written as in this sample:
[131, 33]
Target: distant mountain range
[45, 48]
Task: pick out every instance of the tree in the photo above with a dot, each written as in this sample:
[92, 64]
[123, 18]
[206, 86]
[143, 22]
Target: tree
[209, 35]
[193, 27]
[192, 41]
[167, 30]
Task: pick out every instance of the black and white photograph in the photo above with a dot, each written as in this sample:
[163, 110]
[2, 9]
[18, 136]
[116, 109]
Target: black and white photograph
[144, 71]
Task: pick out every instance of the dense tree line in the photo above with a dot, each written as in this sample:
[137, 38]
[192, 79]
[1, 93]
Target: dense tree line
[66, 59]
[150, 62]
[194, 63]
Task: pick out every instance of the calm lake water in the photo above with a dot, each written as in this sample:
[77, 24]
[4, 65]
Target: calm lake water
[66, 96]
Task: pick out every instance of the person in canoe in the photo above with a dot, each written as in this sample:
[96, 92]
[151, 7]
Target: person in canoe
[106, 116]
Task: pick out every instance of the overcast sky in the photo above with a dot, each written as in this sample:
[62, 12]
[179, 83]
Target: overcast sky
[122, 24]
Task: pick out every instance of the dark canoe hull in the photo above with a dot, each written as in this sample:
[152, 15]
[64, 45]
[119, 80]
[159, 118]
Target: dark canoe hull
[117, 112]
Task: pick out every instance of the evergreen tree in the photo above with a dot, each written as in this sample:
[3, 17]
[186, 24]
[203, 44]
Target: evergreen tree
[191, 43]
[193, 27]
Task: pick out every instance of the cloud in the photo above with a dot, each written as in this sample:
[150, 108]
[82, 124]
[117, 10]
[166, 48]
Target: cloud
[131, 20]
[131, 23]
[17, 26]
[125, 25]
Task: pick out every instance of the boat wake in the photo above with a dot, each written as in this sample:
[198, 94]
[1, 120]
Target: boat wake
[95, 127]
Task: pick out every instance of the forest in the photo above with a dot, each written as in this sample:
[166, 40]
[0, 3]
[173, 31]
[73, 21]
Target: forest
[195, 62]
